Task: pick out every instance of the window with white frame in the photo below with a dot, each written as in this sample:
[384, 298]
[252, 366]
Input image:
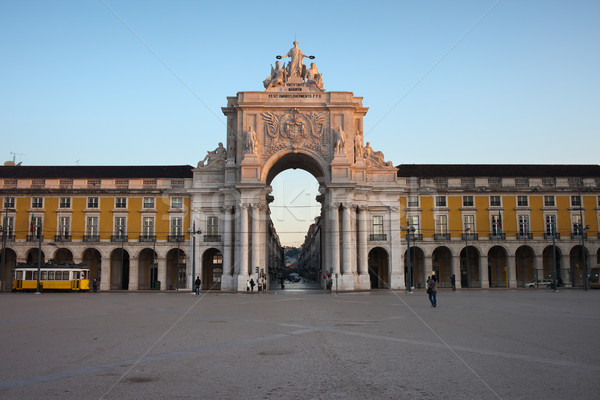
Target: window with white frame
[37, 202]
[177, 202]
[212, 225]
[378, 225]
[176, 226]
[148, 202]
[91, 228]
[523, 225]
[577, 226]
[575, 201]
[36, 226]
[550, 222]
[522, 201]
[413, 201]
[440, 201]
[549, 201]
[469, 223]
[9, 223]
[65, 202]
[468, 201]
[64, 226]
[441, 225]
[495, 201]
[121, 226]
[121, 202]
[148, 226]
[9, 202]
[92, 202]
[413, 221]
[496, 228]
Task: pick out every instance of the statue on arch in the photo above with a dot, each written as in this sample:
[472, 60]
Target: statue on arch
[375, 158]
[340, 140]
[277, 78]
[295, 67]
[314, 78]
[250, 140]
[212, 156]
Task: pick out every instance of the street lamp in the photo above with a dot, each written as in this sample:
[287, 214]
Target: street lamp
[585, 274]
[122, 237]
[409, 230]
[193, 232]
[3, 230]
[467, 230]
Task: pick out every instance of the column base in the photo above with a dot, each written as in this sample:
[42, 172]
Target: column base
[397, 281]
[228, 283]
[241, 282]
[363, 282]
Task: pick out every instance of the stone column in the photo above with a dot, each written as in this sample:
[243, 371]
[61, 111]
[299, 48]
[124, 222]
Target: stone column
[346, 240]
[455, 270]
[242, 271]
[512, 271]
[228, 246]
[397, 280]
[539, 267]
[255, 213]
[133, 273]
[484, 278]
[162, 271]
[334, 236]
[427, 270]
[363, 257]
[105, 273]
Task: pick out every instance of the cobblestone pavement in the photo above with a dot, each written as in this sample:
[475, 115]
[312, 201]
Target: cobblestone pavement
[294, 344]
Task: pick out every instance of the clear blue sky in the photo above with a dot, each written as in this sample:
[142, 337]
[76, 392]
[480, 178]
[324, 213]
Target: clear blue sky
[143, 82]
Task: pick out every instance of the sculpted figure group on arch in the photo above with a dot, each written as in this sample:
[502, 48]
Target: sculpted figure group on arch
[295, 68]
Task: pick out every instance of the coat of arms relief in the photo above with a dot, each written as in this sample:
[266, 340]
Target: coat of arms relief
[296, 130]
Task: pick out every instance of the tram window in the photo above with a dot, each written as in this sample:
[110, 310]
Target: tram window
[75, 275]
[44, 275]
[65, 275]
[84, 274]
[35, 275]
[51, 275]
[28, 275]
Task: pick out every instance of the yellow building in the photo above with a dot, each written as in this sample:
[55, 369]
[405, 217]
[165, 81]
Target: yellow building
[127, 223]
[493, 225]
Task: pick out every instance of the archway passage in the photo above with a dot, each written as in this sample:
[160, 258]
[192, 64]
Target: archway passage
[442, 266]
[577, 265]
[548, 267]
[63, 256]
[469, 268]
[497, 267]
[417, 266]
[119, 270]
[176, 269]
[93, 260]
[32, 256]
[212, 269]
[525, 265]
[379, 268]
[148, 270]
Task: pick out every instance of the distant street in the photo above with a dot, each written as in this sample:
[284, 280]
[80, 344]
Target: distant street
[301, 343]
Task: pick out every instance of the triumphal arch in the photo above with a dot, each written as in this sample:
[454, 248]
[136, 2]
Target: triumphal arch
[296, 123]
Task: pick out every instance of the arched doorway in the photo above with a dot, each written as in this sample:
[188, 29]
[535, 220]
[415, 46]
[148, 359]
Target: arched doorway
[497, 267]
[212, 269]
[176, 270]
[417, 263]
[93, 259]
[378, 268]
[63, 256]
[469, 268]
[442, 265]
[548, 267]
[32, 256]
[525, 265]
[147, 270]
[119, 269]
[576, 265]
[10, 263]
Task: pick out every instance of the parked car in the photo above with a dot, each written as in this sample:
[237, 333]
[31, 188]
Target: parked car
[541, 282]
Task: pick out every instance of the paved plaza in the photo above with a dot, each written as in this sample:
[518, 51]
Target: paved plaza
[295, 344]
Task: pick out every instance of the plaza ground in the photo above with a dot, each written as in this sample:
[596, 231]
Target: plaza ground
[301, 344]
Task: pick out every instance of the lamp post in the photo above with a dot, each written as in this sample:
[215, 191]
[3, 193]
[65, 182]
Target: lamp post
[467, 230]
[3, 229]
[193, 232]
[553, 255]
[122, 237]
[583, 258]
[409, 230]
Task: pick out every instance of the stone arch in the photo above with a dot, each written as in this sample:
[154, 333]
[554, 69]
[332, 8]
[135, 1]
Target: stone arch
[212, 269]
[93, 259]
[469, 267]
[147, 268]
[576, 265]
[442, 265]
[10, 262]
[525, 265]
[298, 158]
[379, 268]
[119, 269]
[31, 257]
[548, 263]
[63, 256]
[417, 261]
[176, 269]
[497, 266]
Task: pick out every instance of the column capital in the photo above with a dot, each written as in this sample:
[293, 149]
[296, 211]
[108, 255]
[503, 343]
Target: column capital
[363, 207]
[348, 205]
[228, 208]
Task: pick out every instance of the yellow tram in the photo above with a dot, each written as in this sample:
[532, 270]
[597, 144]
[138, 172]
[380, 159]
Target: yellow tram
[71, 277]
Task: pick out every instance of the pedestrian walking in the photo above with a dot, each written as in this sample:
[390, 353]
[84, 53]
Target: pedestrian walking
[197, 285]
[252, 285]
[432, 291]
[95, 285]
[453, 282]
